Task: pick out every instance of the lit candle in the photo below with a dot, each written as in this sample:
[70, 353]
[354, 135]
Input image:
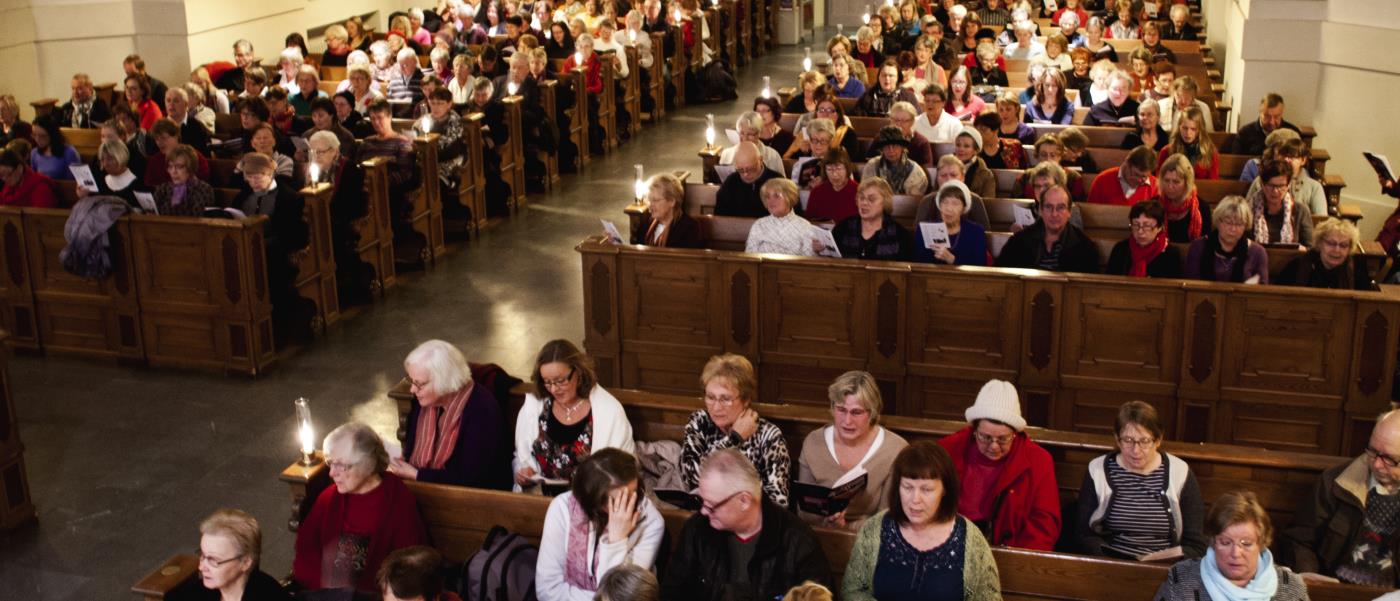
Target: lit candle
[315, 171]
[677, 14]
[767, 91]
[535, 21]
[807, 59]
[512, 88]
[841, 29]
[639, 188]
[709, 131]
[632, 36]
[427, 123]
[305, 435]
[578, 59]
[865, 18]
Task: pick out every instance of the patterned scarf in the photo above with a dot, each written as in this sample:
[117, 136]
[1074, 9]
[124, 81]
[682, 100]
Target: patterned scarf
[1261, 223]
[1189, 208]
[1142, 255]
[654, 239]
[428, 451]
[895, 174]
[577, 572]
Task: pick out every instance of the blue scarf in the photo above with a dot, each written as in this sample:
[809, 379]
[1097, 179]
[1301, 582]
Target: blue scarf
[1260, 588]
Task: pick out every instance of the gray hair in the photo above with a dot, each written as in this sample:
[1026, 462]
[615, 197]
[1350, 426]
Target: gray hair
[379, 48]
[1235, 207]
[905, 107]
[447, 368]
[292, 54]
[734, 469]
[865, 34]
[1026, 26]
[1069, 17]
[438, 55]
[243, 44]
[328, 138]
[816, 126]
[749, 120]
[364, 443]
[114, 150]
[406, 52]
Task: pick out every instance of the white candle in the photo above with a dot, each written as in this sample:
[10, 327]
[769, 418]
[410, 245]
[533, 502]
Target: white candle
[767, 91]
[709, 131]
[640, 187]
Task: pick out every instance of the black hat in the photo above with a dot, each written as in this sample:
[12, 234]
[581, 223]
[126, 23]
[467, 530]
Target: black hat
[889, 134]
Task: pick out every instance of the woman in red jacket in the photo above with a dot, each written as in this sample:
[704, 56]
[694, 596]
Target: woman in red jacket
[1008, 482]
[21, 186]
[1190, 137]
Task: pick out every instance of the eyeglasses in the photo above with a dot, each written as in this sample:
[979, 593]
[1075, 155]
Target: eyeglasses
[1276, 187]
[1337, 244]
[560, 382]
[1142, 227]
[826, 110]
[1000, 441]
[709, 509]
[1054, 209]
[1386, 459]
[333, 465]
[1136, 442]
[720, 401]
[419, 384]
[217, 563]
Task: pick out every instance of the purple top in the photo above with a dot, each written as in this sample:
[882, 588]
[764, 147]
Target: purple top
[1256, 262]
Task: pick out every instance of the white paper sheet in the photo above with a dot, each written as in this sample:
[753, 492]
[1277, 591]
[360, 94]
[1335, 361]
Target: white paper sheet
[612, 232]
[935, 235]
[1024, 216]
[828, 242]
[147, 202]
[83, 175]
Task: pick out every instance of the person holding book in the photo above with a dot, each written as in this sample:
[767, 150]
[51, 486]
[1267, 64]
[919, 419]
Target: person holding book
[854, 448]
[1006, 482]
[967, 241]
[729, 421]
[920, 548]
[1140, 502]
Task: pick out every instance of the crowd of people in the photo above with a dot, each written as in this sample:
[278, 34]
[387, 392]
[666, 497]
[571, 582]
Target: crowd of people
[925, 516]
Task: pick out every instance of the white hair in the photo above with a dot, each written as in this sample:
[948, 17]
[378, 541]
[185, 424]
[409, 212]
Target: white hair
[1069, 19]
[447, 368]
[406, 52]
[438, 55]
[958, 10]
[416, 13]
[357, 57]
[292, 54]
[749, 120]
[735, 470]
[379, 49]
[326, 137]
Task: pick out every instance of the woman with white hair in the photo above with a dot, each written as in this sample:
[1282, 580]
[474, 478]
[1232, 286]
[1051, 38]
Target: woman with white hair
[749, 125]
[356, 522]
[455, 429]
[288, 65]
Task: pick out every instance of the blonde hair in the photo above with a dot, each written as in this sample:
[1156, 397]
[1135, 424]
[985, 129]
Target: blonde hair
[238, 526]
[736, 370]
[1233, 207]
[1335, 226]
[886, 192]
[780, 184]
[861, 385]
[808, 591]
[1180, 165]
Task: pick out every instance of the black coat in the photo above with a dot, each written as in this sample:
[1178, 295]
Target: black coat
[260, 587]
[685, 232]
[1166, 265]
[1078, 253]
[787, 555]
[96, 115]
[285, 230]
[193, 134]
[481, 458]
[1307, 270]
[737, 198]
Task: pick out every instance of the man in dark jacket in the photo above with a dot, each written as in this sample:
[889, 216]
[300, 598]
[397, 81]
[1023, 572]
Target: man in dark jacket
[84, 109]
[738, 195]
[740, 546]
[1053, 243]
[1250, 138]
[1348, 528]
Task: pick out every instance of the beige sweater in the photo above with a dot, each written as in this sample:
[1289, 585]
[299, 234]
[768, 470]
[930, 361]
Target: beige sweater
[817, 465]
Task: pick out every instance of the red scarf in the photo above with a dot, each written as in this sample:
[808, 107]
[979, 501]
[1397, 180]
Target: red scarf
[1142, 255]
[1189, 208]
[428, 451]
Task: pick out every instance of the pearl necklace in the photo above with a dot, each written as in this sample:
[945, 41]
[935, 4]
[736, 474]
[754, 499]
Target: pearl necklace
[569, 411]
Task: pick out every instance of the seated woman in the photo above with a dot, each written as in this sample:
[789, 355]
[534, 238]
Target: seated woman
[925, 68]
[847, 77]
[809, 82]
[853, 444]
[1328, 264]
[962, 103]
[843, 135]
[1079, 76]
[1007, 482]
[872, 233]
[568, 417]
[750, 125]
[817, 136]
[264, 141]
[865, 50]
[1094, 41]
[21, 186]
[1140, 69]
[362, 89]
[138, 97]
[1010, 108]
[454, 433]
[987, 73]
[356, 523]
[451, 152]
[52, 154]
[967, 241]
[967, 148]
[116, 179]
[833, 196]
[1120, 108]
[893, 164]
[603, 522]
[1050, 105]
[903, 115]
[1289, 148]
[1025, 47]
[1189, 138]
[1149, 131]
[1227, 255]
[230, 548]
[1278, 218]
[1139, 502]
[11, 126]
[997, 152]
[185, 194]
[665, 223]
[783, 231]
[284, 233]
[920, 548]
[1147, 252]
[772, 134]
[1237, 565]
[728, 421]
[1186, 219]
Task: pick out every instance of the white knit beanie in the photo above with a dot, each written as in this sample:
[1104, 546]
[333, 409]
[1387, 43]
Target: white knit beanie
[997, 401]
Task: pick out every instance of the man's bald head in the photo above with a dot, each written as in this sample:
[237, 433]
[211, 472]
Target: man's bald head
[1385, 443]
[748, 161]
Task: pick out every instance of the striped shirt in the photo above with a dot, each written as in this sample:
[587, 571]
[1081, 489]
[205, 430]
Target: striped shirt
[1138, 519]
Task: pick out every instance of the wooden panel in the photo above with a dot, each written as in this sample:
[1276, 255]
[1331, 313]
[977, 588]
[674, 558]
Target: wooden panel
[1287, 346]
[512, 154]
[75, 315]
[16, 503]
[316, 263]
[814, 315]
[375, 229]
[17, 315]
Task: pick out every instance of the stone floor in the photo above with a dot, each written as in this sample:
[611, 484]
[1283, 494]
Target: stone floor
[124, 462]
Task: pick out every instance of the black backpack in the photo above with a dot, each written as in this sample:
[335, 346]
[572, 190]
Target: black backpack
[503, 570]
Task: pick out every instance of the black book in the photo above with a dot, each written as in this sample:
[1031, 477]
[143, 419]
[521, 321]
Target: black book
[827, 501]
[679, 498]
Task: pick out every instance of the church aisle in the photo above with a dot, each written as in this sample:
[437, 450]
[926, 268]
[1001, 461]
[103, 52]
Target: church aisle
[124, 462]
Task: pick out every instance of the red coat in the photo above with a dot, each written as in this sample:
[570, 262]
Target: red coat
[1107, 190]
[593, 74]
[1025, 494]
[320, 533]
[34, 190]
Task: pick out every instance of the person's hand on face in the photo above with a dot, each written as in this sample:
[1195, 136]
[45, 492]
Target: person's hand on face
[746, 424]
[622, 512]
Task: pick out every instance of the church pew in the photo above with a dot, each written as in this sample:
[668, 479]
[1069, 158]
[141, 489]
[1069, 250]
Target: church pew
[656, 82]
[17, 308]
[729, 26]
[679, 66]
[1279, 478]
[85, 141]
[471, 179]
[607, 108]
[632, 91]
[203, 293]
[548, 103]
[1219, 359]
[16, 504]
[425, 214]
[375, 230]
[512, 154]
[315, 264]
[578, 112]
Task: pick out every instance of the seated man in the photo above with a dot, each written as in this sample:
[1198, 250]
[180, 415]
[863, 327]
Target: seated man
[232, 79]
[1128, 183]
[133, 65]
[1052, 243]
[739, 195]
[84, 109]
[1250, 138]
[748, 125]
[1347, 529]
[192, 132]
[406, 80]
[740, 545]
[1008, 481]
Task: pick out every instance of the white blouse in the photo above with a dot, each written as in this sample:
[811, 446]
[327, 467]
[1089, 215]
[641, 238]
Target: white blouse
[786, 235]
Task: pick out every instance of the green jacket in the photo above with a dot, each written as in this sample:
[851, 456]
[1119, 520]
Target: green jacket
[980, 579]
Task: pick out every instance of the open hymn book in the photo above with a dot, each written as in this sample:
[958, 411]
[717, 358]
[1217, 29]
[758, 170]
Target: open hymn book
[827, 501]
[1169, 554]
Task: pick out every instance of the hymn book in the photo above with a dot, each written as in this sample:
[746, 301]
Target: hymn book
[828, 501]
[1380, 164]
